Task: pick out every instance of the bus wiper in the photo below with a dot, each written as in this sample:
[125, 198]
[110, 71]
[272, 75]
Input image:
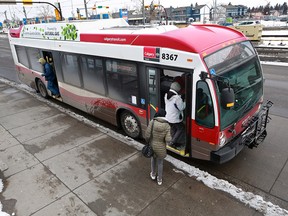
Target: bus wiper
[246, 107]
[256, 81]
[241, 89]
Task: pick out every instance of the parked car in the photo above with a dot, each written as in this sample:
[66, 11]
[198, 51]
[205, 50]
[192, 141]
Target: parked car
[223, 23]
[284, 19]
[252, 22]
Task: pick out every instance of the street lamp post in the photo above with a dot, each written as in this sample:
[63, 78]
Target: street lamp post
[214, 10]
[86, 11]
[24, 11]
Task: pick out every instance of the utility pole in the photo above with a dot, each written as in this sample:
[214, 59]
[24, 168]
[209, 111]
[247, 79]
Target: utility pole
[24, 11]
[143, 12]
[5, 12]
[72, 12]
[214, 10]
[86, 11]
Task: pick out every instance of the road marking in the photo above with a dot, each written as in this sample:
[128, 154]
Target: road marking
[3, 35]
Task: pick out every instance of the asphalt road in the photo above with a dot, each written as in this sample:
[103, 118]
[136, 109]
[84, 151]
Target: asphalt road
[6, 61]
[276, 88]
[264, 170]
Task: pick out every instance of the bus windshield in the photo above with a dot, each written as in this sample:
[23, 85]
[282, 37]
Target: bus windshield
[241, 69]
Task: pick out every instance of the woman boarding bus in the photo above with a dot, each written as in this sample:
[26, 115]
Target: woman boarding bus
[120, 73]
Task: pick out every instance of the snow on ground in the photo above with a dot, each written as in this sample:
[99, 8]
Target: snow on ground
[3, 35]
[1, 206]
[273, 23]
[283, 64]
[252, 200]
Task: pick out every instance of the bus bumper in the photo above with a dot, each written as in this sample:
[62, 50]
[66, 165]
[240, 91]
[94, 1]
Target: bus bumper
[228, 152]
[252, 136]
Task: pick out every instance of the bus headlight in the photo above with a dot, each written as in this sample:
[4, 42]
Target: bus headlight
[222, 139]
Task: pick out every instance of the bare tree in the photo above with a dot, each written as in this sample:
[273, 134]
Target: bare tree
[24, 12]
[140, 7]
[45, 11]
[14, 18]
[138, 4]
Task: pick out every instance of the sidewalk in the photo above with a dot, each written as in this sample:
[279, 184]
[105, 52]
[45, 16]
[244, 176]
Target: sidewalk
[60, 165]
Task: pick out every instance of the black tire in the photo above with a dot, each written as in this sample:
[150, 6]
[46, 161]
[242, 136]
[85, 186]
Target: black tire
[130, 124]
[42, 89]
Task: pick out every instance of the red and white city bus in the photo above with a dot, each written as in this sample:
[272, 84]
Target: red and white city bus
[120, 73]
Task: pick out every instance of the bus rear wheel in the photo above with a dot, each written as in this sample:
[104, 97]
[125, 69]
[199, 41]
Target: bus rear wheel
[130, 124]
[42, 89]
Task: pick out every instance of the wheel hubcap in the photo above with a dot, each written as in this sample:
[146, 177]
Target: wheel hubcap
[131, 124]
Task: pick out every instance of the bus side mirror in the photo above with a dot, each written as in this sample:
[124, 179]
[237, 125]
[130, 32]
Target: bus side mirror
[227, 98]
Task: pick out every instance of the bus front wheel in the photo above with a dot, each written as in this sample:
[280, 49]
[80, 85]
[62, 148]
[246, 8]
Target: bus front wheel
[42, 89]
[130, 124]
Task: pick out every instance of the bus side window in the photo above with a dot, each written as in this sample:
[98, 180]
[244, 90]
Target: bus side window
[92, 74]
[34, 55]
[70, 69]
[204, 106]
[122, 81]
[22, 56]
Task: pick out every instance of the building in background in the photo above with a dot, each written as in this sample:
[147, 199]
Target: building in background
[196, 13]
[235, 11]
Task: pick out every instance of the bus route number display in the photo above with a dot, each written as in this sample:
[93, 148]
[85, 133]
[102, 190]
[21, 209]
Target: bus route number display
[169, 57]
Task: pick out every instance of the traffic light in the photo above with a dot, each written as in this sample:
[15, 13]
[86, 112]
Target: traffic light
[151, 6]
[78, 14]
[27, 2]
[57, 14]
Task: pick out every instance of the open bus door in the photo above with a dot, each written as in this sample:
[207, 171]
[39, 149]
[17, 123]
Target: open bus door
[159, 81]
[48, 56]
[50, 60]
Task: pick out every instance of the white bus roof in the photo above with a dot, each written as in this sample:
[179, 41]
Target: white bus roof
[117, 31]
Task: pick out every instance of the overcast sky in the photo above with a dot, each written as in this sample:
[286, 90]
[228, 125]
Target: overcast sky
[69, 6]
